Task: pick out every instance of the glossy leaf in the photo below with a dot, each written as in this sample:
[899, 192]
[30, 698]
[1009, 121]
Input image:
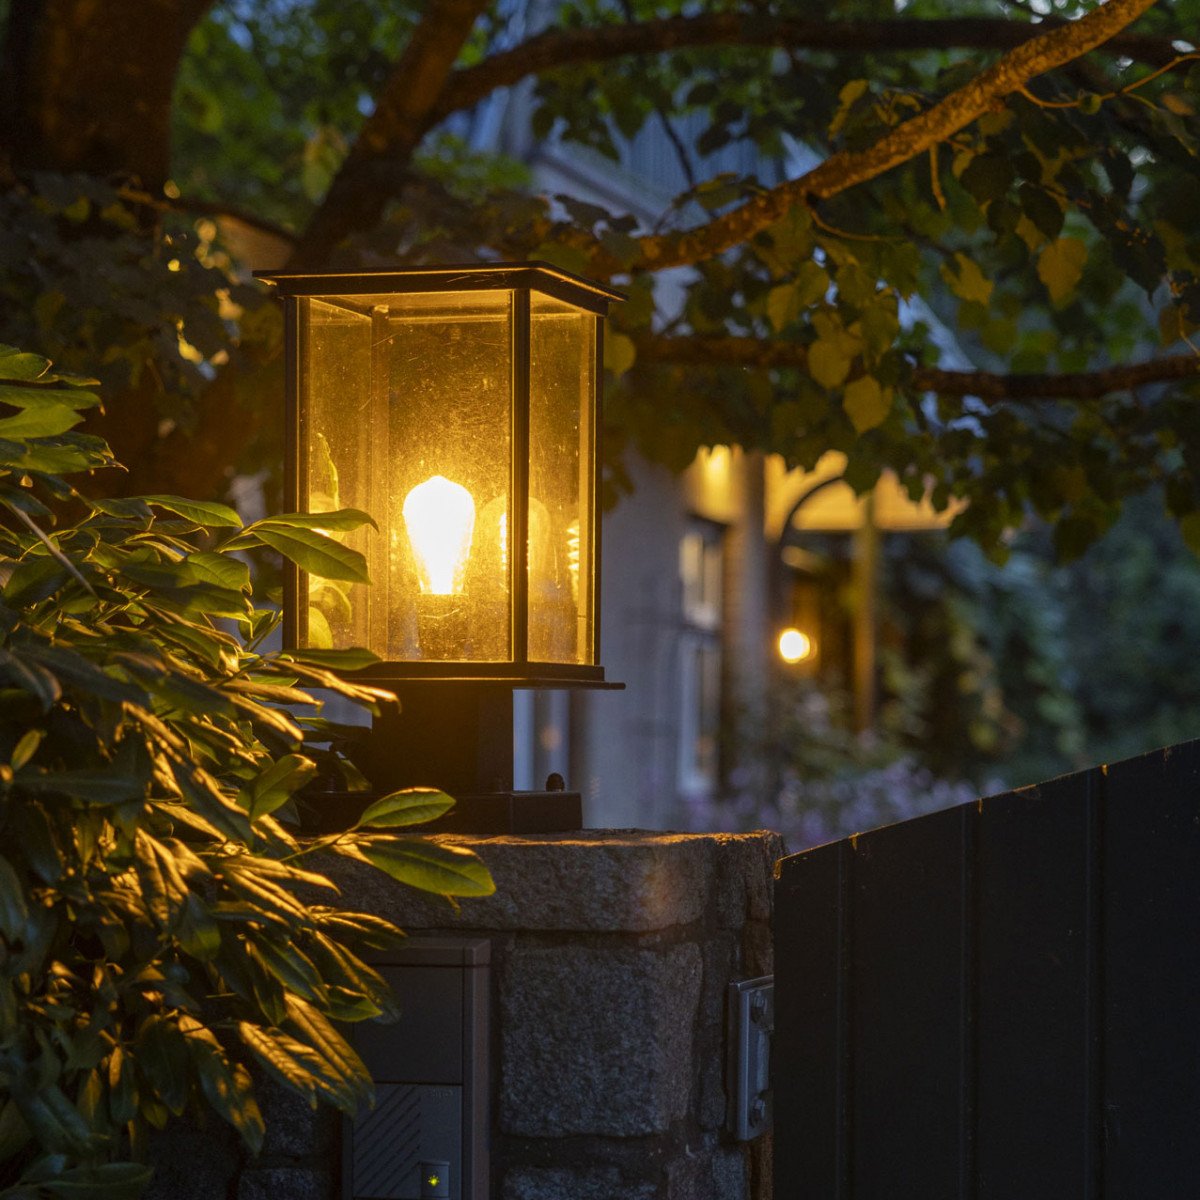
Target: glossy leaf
[450, 870]
[411, 806]
[342, 519]
[203, 512]
[316, 553]
[34, 422]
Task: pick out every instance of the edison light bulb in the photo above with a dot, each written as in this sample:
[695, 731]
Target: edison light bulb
[794, 646]
[440, 518]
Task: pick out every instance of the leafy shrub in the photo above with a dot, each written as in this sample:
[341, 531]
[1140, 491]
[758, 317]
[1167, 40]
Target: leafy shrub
[157, 927]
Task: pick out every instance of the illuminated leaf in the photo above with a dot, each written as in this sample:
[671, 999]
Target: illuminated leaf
[867, 404]
[413, 806]
[1060, 267]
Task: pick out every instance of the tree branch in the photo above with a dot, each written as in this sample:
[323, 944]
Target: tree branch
[564, 47]
[985, 385]
[208, 208]
[846, 168]
[355, 199]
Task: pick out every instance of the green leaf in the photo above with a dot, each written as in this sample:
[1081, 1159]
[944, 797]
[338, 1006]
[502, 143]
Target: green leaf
[619, 353]
[430, 866]
[230, 1091]
[851, 93]
[16, 364]
[828, 363]
[343, 1069]
[1189, 526]
[97, 786]
[317, 554]
[812, 282]
[783, 306]
[412, 806]
[341, 519]
[967, 281]
[108, 1181]
[33, 580]
[1060, 267]
[13, 909]
[223, 570]
[277, 784]
[292, 967]
[354, 659]
[198, 933]
[26, 748]
[867, 404]
[203, 512]
[1042, 209]
[569, 258]
[162, 1056]
[32, 422]
[987, 176]
[293, 1064]
[39, 397]
[31, 676]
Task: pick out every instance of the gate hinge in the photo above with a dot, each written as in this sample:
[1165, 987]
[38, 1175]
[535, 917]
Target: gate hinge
[751, 1021]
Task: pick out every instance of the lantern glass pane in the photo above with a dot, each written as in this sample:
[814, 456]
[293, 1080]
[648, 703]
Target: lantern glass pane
[562, 369]
[408, 403]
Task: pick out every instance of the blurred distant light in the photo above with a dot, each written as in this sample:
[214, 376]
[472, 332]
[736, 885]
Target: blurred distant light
[794, 646]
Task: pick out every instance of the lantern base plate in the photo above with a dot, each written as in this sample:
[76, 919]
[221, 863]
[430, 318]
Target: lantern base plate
[491, 813]
[513, 812]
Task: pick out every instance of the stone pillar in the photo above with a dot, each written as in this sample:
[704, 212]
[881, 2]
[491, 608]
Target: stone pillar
[611, 953]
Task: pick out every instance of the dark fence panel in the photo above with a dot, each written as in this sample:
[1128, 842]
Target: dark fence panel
[1000, 1001]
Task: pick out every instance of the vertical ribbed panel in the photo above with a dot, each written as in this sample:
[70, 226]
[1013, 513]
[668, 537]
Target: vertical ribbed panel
[997, 1001]
[387, 1144]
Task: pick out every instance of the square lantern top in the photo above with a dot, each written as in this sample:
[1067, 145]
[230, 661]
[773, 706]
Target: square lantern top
[459, 407]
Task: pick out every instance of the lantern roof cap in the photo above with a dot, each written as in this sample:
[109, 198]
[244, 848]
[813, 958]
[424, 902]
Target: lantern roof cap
[537, 276]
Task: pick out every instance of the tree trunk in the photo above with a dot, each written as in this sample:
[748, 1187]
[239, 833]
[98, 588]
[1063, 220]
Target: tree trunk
[87, 85]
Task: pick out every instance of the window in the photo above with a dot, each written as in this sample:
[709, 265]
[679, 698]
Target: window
[701, 575]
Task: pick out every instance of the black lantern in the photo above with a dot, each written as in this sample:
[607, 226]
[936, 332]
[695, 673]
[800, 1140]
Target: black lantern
[459, 407]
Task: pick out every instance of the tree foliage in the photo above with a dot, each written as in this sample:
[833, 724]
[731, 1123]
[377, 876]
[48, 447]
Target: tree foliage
[1014, 181]
[162, 925]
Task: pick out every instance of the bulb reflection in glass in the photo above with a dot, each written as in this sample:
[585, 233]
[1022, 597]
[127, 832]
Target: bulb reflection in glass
[493, 543]
[439, 516]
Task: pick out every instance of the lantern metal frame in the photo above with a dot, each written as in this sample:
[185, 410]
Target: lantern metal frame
[456, 727]
[521, 279]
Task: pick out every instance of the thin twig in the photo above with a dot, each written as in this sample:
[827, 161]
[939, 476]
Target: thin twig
[55, 552]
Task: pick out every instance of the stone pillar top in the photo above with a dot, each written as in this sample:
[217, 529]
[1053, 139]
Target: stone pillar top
[610, 880]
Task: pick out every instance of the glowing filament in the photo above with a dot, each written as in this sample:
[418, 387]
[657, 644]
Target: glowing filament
[440, 518]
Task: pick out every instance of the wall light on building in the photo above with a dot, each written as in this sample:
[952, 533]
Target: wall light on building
[794, 646]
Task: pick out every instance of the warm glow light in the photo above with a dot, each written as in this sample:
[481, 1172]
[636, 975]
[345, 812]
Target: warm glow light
[794, 646]
[439, 516]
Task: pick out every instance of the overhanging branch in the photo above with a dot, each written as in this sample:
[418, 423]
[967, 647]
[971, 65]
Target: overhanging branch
[914, 137]
[558, 48]
[356, 198]
[985, 385]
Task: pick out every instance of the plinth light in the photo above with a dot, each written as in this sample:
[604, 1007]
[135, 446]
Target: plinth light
[459, 406]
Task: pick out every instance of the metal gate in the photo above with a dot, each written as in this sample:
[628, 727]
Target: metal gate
[1001, 1000]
